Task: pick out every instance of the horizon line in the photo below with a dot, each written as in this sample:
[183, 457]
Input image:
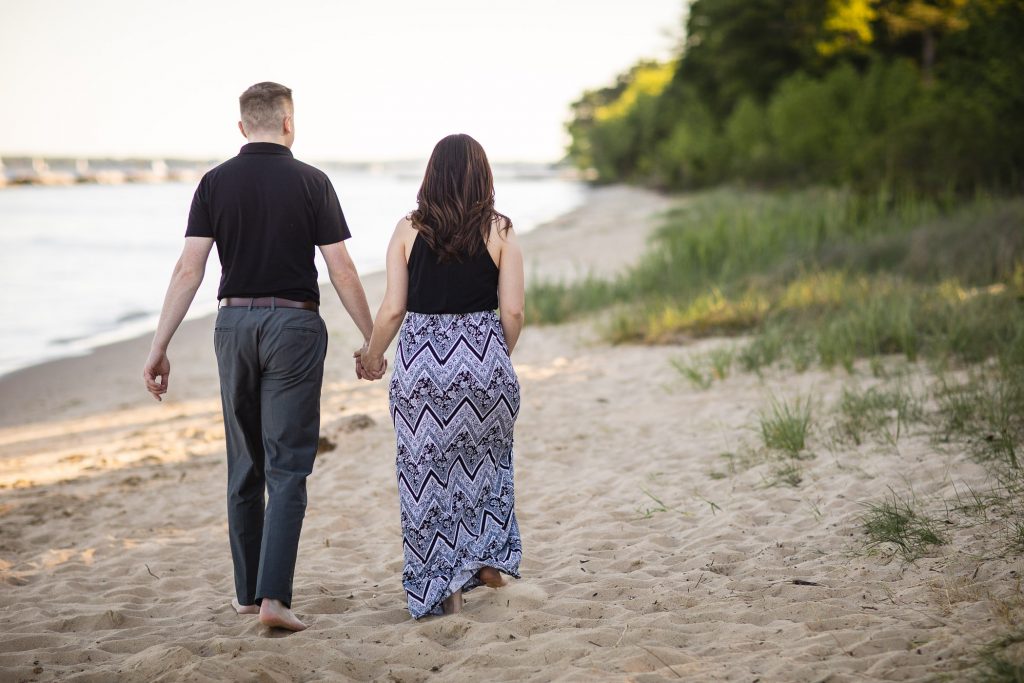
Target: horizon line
[201, 159]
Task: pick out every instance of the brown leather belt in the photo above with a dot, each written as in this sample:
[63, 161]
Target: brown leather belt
[267, 302]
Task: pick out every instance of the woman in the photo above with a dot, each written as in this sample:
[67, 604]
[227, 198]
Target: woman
[454, 395]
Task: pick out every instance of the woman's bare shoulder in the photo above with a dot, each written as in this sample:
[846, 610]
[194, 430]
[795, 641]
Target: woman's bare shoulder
[405, 228]
[501, 230]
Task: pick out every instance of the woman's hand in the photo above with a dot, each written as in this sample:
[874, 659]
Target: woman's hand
[374, 367]
[367, 370]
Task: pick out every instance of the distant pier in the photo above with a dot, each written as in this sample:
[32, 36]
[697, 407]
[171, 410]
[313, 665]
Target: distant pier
[58, 171]
[46, 171]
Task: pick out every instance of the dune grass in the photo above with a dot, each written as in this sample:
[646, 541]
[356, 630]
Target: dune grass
[785, 426]
[987, 410]
[883, 411]
[1001, 661]
[818, 275]
[898, 522]
[830, 277]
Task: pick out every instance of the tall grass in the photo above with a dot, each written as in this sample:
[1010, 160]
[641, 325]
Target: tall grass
[837, 275]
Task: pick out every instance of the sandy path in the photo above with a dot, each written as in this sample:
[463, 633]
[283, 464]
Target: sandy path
[115, 565]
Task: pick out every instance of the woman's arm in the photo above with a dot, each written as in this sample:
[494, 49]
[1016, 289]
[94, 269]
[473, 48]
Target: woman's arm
[392, 308]
[511, 288]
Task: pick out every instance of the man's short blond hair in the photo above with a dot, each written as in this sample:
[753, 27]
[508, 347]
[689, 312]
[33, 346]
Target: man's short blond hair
[263, 106]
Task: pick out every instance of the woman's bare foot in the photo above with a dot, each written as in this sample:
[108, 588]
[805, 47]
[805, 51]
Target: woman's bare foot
[244, 609]
[453, 603]
[273, 613]
[490, 577]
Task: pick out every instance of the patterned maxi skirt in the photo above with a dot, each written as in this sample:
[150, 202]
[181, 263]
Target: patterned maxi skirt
[454, 399]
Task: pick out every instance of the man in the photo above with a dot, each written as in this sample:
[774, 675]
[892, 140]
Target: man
[266, 212]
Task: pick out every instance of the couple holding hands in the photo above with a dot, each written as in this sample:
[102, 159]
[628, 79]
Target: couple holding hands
[454, 298]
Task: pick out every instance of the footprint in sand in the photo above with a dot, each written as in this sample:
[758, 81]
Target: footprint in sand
[445, 631]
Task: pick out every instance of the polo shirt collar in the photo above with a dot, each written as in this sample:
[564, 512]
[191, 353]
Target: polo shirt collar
[264, 148]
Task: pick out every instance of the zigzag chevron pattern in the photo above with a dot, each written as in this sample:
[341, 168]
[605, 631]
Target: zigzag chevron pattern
[454, 400]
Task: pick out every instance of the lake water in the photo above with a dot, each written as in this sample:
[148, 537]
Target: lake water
[87, 265]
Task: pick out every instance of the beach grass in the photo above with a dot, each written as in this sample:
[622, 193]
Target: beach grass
[704, 369]
[898, 521]
[785, 425]
[818, 275]
[786, 473]
[876, 412]
[832, 277]
[987, 410]
[1001, 661]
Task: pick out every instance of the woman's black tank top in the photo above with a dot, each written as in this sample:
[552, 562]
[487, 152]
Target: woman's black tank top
[453, 287]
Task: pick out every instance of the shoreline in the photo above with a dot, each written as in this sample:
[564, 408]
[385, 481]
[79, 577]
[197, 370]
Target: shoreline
[63, 385]
[103, 311]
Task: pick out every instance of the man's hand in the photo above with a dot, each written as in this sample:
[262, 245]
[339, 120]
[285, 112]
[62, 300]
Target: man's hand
[358, 355]
[157, 365]
[372, 373]
[185, 281]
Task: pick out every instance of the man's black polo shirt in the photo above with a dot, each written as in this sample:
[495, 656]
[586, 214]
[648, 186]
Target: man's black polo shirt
[267, 212]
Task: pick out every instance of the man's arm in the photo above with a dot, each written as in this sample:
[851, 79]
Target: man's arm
[185, 280]
[348, 286]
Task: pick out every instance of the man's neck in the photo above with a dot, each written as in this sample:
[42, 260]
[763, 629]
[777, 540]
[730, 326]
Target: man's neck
[276, 139]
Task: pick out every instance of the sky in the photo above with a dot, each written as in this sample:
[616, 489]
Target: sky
[372, 79]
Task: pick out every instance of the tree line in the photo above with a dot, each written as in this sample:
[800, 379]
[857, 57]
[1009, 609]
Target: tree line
[924, 96]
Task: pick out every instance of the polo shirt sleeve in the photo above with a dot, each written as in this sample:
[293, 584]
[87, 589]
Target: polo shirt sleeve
[331, 226]
[199, 223]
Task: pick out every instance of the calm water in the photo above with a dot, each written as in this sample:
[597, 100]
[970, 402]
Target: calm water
[86, 265]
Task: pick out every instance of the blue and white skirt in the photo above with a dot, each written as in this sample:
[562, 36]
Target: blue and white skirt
[454, 400]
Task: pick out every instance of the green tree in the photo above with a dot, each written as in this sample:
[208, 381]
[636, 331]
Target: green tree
[927, 20]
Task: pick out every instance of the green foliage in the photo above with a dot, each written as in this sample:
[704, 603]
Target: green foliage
[902, 95]
[748, 138]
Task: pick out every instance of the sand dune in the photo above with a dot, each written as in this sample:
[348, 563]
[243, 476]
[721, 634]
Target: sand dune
[113, 544]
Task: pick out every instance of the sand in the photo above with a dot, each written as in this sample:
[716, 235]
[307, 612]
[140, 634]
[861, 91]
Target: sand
[114, 562]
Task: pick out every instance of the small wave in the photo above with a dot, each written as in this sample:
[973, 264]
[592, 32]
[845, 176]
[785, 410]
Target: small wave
[131, 316]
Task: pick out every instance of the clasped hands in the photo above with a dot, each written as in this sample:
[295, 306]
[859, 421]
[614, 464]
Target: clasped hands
[368, 367]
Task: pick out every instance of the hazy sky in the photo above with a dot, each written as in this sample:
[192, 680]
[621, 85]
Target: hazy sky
[378, 79]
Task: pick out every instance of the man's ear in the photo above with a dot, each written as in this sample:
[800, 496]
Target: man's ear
[241, 129]
[288, 125]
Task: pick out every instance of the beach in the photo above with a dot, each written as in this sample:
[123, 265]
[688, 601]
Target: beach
[655, 546]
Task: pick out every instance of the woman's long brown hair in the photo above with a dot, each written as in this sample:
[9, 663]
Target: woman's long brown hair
[455, 204]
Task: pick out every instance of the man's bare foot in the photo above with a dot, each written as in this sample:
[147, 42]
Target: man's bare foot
[273, 613]
[244, 609]
[453, 603]
[490, 577]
